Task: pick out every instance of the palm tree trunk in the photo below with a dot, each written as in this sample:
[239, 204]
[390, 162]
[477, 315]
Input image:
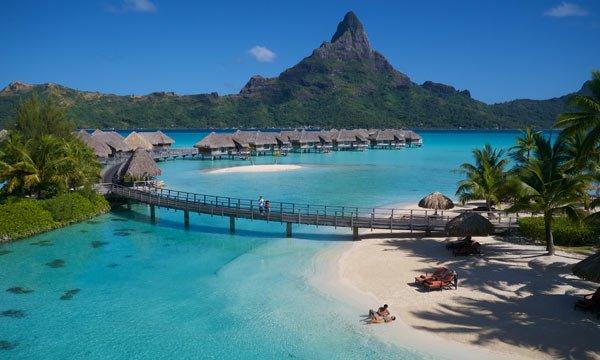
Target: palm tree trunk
[549, 236]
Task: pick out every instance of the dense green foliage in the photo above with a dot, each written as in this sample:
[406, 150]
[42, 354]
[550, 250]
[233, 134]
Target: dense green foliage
[41, 157]
[566, 231]
[25, 217]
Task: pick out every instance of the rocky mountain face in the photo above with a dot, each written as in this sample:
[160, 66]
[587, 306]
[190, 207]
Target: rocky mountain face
[343, 83]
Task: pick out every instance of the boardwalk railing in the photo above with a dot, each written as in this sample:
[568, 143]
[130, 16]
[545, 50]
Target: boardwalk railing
[296, 213]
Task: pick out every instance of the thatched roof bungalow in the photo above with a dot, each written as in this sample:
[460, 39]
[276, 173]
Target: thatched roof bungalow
[139, 167]
[112, 139]
[158, 139]
[283, 142]
[217, 144]
[350, 139]
[98, 147]
[309, 140]
[412, 138]
[258, 141]
[137, 141]
[325, 139]
[382, 139]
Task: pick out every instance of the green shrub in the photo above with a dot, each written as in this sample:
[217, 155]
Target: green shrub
[566, 232]
[73, 207]
[27, 217]
[24, 218]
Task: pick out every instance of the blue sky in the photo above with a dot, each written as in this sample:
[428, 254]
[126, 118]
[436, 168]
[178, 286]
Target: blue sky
[499, 50]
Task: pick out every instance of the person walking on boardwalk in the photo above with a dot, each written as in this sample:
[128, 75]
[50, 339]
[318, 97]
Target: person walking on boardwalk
[261, 204]
[267, 206]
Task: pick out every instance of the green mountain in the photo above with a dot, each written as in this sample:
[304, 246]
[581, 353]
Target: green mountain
[343, 83]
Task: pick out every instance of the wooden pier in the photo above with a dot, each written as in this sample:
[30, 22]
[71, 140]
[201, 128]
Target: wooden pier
[287, 213]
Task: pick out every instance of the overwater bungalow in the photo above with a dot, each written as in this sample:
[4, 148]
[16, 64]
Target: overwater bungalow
[115, 141]
[293, 137]
[98, 147]
[216, 145]
[283, 143]
[309, 141]
[325, 140]
[383, 139]
[362, 139]
[260, 143]
[136, 141]
[350, 140]
[413, 139]
[140, 166]
[159, 140]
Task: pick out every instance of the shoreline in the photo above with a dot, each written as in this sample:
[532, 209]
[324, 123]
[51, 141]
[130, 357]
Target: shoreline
[475, 326]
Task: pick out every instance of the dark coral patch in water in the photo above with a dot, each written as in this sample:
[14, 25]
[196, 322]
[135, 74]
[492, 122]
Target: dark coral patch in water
[112, 265]
[118, 219]
[93, 222]
[121, 233]
[43, 243]
[83, 231]
[128, 256]
[97, 244]
[13, 313]
[18, 290]
[57, 263]
[68, 295]
[147, 232]
[4, 252]
[8, 345]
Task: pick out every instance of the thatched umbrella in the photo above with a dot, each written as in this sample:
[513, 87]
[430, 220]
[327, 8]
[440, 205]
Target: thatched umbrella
[139, 166]
[469, 224]
[437, 201]
[589, 268]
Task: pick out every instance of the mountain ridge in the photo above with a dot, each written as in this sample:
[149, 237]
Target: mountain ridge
[342, 83]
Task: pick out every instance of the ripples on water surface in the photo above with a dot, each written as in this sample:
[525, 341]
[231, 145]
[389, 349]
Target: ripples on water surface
[120, 287]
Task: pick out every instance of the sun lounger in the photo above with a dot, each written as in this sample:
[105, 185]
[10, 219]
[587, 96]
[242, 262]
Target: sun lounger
[590, 302]
[451, 245]
[437, 274]
[469, 249]
[447, 281]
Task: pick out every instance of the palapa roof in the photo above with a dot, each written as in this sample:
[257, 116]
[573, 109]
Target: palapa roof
[469, 224]
[589, 268]
[264, 138]
[383, 135]
[399, 135]
[157, 138]
[98, 147]
[361, 134]
[293, 135]
[112, 139]
[325, 136]
[344, 135]
[409, 134]
[136, 141]
[216, 141]
[436, 200]
[308, 136]
[284, 140]
[140, 165]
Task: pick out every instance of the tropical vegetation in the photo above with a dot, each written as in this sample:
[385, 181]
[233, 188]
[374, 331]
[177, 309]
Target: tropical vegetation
[552, 175]
[46, 172]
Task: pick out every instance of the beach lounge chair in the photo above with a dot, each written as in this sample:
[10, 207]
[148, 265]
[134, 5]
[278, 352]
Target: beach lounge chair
[442, 283]
[589, 302]
[469, 249]
[437, 274]
[451, 245]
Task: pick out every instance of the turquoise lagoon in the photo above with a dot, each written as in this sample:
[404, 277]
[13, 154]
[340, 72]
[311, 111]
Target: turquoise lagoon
[143, 290]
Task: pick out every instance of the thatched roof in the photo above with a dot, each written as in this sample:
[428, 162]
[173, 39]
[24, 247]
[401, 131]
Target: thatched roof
[382, 135]
[308, 137]
[264, 138]
[139, 166]
[413, 136]
[469, 223]
[344, 135]
[216, 141]
[436, 200]
[292, 135]
[589, 268]
[361, 134]
[284, 140]
[325, 136]
[98, 147]
[136, 141]
[112, 139]
[157, 138]
[399, 135]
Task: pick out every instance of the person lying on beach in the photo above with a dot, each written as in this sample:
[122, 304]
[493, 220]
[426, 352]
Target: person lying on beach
[375, 318]
[383, 310]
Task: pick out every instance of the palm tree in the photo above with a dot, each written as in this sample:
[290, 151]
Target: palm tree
[587, 118]
[487, 179]
[525, 144]
[550, 185]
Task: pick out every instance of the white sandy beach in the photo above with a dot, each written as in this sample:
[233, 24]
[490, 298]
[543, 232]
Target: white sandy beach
[512, 302]
[256, 169]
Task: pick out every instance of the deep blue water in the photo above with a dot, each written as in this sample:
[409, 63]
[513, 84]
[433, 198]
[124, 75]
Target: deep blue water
[161, 291]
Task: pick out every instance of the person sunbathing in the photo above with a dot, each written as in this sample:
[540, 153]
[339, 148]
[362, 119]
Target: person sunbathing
[383, 310]
[375, 318]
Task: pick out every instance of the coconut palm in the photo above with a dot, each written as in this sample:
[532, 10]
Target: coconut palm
[587, 117]
[486, 179]
[525, 144]
[549, 185]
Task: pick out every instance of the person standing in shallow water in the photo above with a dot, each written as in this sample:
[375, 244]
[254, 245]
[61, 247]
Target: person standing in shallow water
[261, 204]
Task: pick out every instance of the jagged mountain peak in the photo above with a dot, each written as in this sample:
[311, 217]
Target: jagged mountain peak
[352, 26]
[348, 42]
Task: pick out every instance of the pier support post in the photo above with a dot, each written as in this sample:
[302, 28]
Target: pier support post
[288, 229]
[152, 213]
[232, 224]
[355, 233]
[186, 218]
[128, 204]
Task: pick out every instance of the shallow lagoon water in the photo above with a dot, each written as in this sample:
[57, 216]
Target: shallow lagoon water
[121, 287]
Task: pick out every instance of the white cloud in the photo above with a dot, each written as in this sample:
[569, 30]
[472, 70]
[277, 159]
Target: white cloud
[262, 54]
[566, 9]
[134, 6]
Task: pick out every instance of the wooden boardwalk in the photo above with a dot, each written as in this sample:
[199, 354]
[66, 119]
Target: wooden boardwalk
[354, 218]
